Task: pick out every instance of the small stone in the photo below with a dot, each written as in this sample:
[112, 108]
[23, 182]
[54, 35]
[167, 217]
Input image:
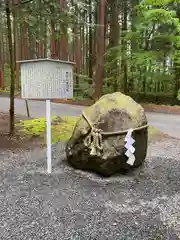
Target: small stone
[114, 224]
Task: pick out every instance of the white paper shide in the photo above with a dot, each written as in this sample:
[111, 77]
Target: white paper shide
[129, 146]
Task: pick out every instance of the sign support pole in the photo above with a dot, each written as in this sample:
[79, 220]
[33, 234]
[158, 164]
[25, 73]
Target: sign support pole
[48, 133]
[36, 75]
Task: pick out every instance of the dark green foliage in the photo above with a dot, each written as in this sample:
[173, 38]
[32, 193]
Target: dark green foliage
[153, 49]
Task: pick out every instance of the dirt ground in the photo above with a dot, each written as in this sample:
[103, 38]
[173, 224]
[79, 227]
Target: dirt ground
[18, 140]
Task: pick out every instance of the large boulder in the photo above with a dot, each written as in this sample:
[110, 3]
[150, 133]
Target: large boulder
[94, 145]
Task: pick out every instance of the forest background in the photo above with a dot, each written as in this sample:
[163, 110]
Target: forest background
[131, 46]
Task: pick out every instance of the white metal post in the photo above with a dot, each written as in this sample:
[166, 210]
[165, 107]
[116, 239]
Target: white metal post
[48, 132]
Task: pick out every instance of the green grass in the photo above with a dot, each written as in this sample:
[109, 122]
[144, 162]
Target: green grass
[153, 132]
[4, 90]
[62, 128]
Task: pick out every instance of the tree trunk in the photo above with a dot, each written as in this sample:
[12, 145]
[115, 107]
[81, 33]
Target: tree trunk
[2, 84]
[16, 47]
[11, 54]
[63, 37]
[100, 53]
[176, 63]
[21, 42]
[77, 51]
[45, 39]
[94, 38]
[114, 41]
[90, 44]
[133, 17]
[25, 32]
[83, 50]
[124, 45]
[52, 39]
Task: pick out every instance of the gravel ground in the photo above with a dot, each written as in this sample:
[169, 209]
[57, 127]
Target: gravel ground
[74, 205]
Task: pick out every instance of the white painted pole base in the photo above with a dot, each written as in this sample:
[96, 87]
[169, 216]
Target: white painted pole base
[48, 132]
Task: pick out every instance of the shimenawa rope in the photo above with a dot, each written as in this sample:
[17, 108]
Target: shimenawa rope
[94, 139]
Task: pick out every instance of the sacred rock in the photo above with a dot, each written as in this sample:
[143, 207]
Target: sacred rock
[99, 140]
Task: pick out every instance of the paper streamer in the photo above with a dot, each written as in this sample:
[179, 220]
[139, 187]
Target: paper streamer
[129, 146]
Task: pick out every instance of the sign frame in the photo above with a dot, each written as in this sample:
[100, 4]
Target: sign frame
[48, 104]
[48, 83]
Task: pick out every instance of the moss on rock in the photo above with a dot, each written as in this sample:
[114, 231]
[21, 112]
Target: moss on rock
[106, 103]
[113, 112]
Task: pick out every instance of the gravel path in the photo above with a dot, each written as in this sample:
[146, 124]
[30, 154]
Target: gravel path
[74, 205]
